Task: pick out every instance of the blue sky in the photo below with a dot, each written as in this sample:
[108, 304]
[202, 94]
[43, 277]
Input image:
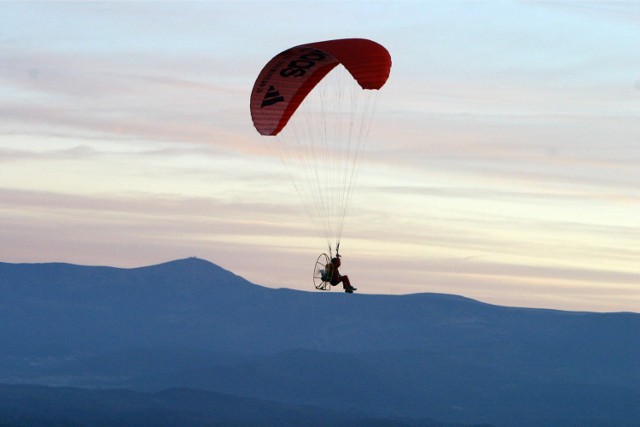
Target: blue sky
[502, 164]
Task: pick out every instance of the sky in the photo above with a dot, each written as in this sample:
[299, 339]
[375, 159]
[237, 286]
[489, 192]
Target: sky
[501, 165]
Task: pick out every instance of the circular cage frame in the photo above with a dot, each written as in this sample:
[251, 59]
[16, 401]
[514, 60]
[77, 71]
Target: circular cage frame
[320, 280]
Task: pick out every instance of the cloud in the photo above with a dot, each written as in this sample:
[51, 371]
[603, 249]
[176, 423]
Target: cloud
[105, 94]
[76, 153]
[61, 220]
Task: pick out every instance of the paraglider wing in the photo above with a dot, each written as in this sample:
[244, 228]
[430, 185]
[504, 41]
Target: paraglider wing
[315, 102]
[287, 78]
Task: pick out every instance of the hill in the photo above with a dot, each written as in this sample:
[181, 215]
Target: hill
[22, 405]
[192, 324]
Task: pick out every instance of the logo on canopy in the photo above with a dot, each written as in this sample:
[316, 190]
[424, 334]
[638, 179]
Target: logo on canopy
[271, 97]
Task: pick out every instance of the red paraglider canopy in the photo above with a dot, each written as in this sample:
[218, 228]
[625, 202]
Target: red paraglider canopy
[287, 79]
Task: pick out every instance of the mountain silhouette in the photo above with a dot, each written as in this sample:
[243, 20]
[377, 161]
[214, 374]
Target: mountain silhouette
[193, 325]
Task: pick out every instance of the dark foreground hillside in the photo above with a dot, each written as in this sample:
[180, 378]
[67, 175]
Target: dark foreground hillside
[189, 325]
[28, 405]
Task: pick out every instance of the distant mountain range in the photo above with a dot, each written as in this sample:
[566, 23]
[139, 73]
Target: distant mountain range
[188, 338]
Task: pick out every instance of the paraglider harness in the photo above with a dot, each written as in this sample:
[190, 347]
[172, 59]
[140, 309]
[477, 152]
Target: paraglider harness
[324, 270]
